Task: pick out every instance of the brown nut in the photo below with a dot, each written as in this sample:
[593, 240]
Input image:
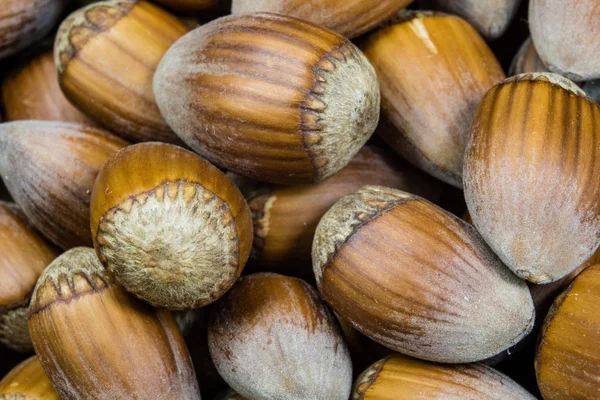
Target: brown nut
[23, 22]
[106, 54]
[169, 226]
[527, 60]
[272, 338]
[96, 341]
[194, 6]
[49, 169]
[416, 379]
[434, 69]
[269, 97]
[534, 134]
[491, 18]
[32, 92]
[285, 217]
[565, 33]
[417, 279]
[350, 18]
[24, 256]
[567, 357]
[27, 381]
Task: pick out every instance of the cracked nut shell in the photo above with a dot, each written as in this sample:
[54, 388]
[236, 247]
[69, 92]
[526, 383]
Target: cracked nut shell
[169, 226]
[106, 54]
[532, 175]
[269, 97]
[95, 341]
[271, 337]
[417, 279]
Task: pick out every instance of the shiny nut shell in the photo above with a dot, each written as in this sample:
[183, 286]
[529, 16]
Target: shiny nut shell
[285, 217]
[27, 381]
[350, 18]
[417, 279]
[417, 379]
[271, 337]
[169, 226]
[269, 97]
[32, 92]
[49, 169]
[433, 69]
[567, 356]
[94, 340]
[106, 54]
[532, 176]
[565, 33]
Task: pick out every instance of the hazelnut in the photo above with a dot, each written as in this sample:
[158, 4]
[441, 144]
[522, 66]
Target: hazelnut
[350, 18]
[106, 54]
[272, 338]
[414, 378]
[567, 357]
[23, 22]
[96, 341]
[193, 6]
[24, 256]
[49, 169]
[269, 97]
[527, 60]
[491, 18]
[169, 226]
[565, 33]
[31, 91]
[434, 69]
[417, 279]
[27, 381]
[285, 217]
[530, 175]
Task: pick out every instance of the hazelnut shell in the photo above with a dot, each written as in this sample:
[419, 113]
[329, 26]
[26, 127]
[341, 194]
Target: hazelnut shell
[27, 381]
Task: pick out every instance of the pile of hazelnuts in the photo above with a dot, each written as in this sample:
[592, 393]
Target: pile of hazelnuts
[300, 200]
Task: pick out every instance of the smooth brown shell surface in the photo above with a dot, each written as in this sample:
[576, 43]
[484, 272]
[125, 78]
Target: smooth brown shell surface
[491, 18]
[272, 338]
[417, 379]
[49, 169]
[171, 227]
[433, 70]
[350, 18]
[106, 54]
[417, 279]
[269, 97]
[32, 92]
[23, 22]
[566, 34]
[567, 357]
[532, 177]
[27, 381]
[527, 60]
[96, 341]
[285, 217]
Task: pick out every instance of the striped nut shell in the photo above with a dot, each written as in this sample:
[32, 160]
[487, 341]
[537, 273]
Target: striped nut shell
[49, 169]
[417, 379]
[350, 18]
[417, 279]
[271, 337]
[566, 34]
[269, 97]
[491, 18]
[24, 256]
[95, 341]
[23, 22]
[106, 54]
[433, 68]
[169, 226]
[567, 361]
[285, 217]
[532, 177]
